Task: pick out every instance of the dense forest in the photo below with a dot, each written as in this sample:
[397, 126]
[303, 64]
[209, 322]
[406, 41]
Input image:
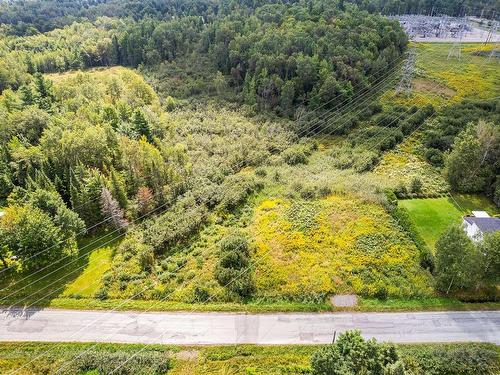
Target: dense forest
[28, 17]
[275, 56]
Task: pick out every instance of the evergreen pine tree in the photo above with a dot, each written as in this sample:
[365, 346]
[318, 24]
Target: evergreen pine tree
[27, 95]
[45, 96]
[141, 125]
[30, 66]
[117, 187]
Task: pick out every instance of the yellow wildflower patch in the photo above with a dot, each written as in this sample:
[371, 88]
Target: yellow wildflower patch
[352, 247]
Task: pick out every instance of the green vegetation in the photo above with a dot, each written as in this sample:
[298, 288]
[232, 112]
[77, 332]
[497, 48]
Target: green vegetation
[85, 284]
[463, 265]
[275, 56]
[432, 216]
[351, 354]
[456, 260]
[27, 18]
[217, 153]
[464, 359]
[467, 80]
[75, 276]
[472, 164]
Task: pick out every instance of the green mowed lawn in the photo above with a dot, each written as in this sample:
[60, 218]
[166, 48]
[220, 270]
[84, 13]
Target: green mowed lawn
[90, 280]
[433, 215]
[78, 276]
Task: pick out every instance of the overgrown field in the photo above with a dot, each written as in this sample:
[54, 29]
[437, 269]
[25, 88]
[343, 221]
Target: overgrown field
[463, 359]
[440, 80]
[202, 190]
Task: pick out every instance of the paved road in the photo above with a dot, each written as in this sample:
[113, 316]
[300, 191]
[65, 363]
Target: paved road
[228, 328]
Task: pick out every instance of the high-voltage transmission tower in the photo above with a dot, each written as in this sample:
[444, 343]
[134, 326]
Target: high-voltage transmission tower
[492, 54]
[456, 48]
[405, 86]
[492, 33]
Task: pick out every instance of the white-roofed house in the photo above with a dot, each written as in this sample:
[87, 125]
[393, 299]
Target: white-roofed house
[480, 223]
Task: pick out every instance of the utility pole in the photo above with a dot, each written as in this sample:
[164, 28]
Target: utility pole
[405, 85]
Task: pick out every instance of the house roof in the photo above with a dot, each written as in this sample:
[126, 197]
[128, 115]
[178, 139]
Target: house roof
[485, 224]
[480, 214]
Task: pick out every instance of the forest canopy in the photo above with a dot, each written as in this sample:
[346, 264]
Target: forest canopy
[28, 17]
[275, 56]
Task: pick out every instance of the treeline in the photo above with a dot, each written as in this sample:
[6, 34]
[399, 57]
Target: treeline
[468, 150]
[275, 56]
[29, 17]
[92, 144]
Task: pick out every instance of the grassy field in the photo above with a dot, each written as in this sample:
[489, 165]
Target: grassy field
[339, 244]
[78, 276]
[441, 80]
[227, 360]
[433, 216]
[85, 284]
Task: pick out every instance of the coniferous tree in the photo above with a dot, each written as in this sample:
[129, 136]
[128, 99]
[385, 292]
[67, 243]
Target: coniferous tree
[117, 187]
[85, 190]
[145, 200]
[45, 96]
[30, 66]
[141, 125]
[27, 95]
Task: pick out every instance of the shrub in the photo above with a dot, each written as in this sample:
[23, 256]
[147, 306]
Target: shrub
[235, 190]
[232, 270]
[400, 190]
[435, 157]
[260, 172]
[387, 119]
[382, 293]
[402, 216]
[416, 185]
[351, 354]
[473, 359]
[102, 294]
[175, 226]
[121, 363]
[295, 155]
